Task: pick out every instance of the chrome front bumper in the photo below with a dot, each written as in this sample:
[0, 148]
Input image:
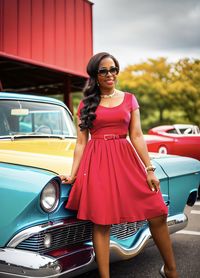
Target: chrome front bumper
[20, 263]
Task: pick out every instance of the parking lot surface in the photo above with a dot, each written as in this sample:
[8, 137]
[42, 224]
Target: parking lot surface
[186, 245]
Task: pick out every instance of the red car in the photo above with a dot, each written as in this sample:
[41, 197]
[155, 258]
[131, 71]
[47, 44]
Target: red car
[178, 143]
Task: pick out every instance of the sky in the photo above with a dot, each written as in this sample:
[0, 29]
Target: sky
[135, 30]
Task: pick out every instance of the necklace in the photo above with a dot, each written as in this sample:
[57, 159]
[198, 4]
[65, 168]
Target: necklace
[108, 96]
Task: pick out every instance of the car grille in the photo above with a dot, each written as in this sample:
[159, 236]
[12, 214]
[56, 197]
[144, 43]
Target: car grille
[75, 233]
[124, 230]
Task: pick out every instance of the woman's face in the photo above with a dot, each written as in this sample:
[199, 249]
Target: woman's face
[107, 73]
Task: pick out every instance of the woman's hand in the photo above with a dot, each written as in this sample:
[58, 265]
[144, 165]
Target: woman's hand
[67, 179]
[153, 181]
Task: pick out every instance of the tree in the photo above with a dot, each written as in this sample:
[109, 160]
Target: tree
[185, 86]
[164, 90]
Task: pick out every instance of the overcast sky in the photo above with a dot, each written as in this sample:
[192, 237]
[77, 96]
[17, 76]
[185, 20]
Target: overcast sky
[134, 30]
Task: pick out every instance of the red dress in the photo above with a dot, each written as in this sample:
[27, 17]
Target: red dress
[111, 185]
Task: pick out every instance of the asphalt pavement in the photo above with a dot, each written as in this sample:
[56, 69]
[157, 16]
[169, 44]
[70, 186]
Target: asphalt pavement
[186, 245]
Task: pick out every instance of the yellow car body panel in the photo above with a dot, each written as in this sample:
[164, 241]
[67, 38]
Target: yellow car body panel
[51, 154]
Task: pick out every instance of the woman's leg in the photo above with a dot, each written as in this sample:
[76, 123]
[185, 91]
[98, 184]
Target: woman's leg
[159, 230]
[101, 242]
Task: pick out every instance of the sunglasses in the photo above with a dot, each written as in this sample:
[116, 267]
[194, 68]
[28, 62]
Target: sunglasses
[104, 72]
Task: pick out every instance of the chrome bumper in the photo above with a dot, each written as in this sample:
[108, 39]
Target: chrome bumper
[20, 263]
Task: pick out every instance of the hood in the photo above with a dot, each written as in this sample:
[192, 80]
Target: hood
[175, 166]
[50, 154]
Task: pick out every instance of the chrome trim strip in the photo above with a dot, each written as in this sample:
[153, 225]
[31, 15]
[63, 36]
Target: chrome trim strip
[121, 253]
[175, 223]
[25, 234]
[21, 236]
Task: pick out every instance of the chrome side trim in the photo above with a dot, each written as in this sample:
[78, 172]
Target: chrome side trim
[31, 231]
[118, 252]
[177, 222]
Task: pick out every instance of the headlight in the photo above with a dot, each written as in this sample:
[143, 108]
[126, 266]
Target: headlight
[50, 196]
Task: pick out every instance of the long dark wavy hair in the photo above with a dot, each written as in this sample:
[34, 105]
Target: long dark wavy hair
[91, 91]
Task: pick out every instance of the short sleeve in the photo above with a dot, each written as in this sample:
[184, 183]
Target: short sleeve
[134, 103]
[80, 106]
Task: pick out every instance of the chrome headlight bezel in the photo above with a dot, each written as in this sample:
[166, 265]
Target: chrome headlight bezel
[50, 196]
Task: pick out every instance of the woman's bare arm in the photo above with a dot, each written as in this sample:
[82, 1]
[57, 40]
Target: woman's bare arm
[137, 139]
[82, 139]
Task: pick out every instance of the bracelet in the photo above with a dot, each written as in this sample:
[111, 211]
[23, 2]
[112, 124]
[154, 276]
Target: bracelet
[150, 168]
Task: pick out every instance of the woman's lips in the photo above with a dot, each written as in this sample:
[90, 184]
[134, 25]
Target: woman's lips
[110, 82]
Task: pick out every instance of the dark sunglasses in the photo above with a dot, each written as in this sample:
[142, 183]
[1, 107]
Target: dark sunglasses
[104, 72]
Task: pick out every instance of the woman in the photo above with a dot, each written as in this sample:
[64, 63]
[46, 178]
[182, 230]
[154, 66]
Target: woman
[107, 175]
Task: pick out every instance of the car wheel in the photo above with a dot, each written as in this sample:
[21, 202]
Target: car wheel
[162, 149]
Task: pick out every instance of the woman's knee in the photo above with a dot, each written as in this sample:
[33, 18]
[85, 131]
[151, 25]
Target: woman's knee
[101, 228]
[162, 219]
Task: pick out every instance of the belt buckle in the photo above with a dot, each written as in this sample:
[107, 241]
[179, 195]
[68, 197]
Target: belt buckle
[110, 136]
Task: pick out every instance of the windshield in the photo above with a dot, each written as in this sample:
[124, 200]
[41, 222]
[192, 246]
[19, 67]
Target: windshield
[193, 129]
[26, 118]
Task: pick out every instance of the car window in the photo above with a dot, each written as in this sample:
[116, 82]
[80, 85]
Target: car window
[173, 131]
[34, 118]
[197, 130]
[189, 130]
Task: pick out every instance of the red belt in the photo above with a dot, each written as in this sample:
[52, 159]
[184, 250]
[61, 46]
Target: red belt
[109, 136]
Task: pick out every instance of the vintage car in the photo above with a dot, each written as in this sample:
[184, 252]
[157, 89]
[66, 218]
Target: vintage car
[179, 141]
[175, 129]
[38, 236]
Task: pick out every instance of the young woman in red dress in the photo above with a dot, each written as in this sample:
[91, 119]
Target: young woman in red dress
[114, 182]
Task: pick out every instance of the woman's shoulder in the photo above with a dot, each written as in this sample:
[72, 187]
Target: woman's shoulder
[127, 95]
[131, 100]
[130, 94]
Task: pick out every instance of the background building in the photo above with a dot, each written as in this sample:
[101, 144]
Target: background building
[45, 46]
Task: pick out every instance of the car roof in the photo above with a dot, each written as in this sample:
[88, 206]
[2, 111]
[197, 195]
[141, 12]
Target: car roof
[183, 125]
[29, 97]
[169, 127]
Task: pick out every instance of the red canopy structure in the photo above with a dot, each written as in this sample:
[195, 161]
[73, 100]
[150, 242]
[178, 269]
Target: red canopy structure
[45, 45]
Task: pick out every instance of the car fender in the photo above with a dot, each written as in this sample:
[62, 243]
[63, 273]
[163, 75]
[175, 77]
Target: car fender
[184, 178]
[20, 188]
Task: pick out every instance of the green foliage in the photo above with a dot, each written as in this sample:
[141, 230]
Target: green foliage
[76, 98]
[167, 93]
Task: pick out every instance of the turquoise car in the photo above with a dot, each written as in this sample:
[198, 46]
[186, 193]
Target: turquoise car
[38, 236]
